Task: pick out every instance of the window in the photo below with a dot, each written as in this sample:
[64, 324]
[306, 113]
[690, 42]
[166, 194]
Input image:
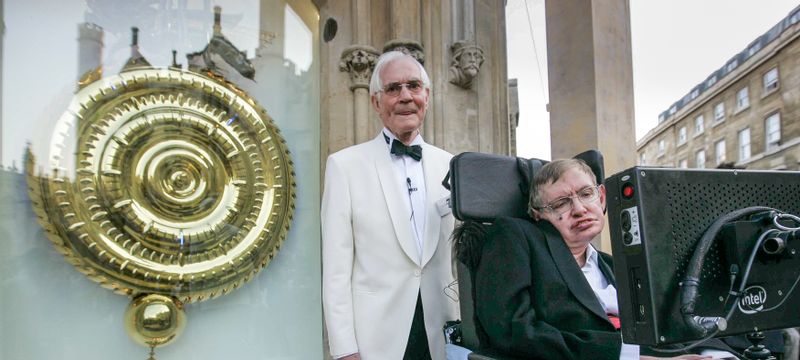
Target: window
[642, 159]
[719, 112]
[772, 129]
[695, 93]
[683, 163]
[699, 125]
[711, 81]
[771, 80]
[731, 65]
[662, 147]
[700, 159]
[742, 98]
[744, 144]
[753, 49]
[719, 151]
[673, 109]
[661, 118]
[682, 135]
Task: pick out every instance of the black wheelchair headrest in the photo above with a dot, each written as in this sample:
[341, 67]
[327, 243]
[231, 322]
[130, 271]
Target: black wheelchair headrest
[486, 186]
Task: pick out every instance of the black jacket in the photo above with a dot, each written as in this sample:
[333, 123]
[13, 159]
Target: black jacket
[532, 299]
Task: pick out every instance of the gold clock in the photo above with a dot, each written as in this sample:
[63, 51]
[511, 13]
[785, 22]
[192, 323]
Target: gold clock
[165, 184]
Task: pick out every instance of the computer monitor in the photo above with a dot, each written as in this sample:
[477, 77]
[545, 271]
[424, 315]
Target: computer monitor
[657, 217]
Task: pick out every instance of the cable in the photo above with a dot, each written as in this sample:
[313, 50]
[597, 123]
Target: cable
[691, 283]
[785, 297]
[746, 273]
[734, 270]
[786, 216]
[732, 307]
[535, 52]
[688, 347]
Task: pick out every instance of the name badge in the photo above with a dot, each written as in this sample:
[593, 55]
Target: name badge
[443, 206]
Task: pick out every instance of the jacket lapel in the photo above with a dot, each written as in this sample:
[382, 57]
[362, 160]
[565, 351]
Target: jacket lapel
[570, 271]
[433, 193]
[607, 267]
[394, 201]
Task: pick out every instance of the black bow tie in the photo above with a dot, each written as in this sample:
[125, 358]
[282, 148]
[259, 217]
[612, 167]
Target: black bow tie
[400, 149]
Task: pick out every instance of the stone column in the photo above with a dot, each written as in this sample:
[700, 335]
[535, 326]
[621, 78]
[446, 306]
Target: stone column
[591, 81]
[405, 19]
[359, 61]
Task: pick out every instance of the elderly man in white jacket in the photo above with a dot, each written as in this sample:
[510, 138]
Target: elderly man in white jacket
[386, 221]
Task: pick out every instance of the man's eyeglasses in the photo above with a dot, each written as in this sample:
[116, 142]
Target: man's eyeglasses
[394, 89]
[561, 205]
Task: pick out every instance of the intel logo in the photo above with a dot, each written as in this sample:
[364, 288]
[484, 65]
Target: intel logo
[753, 300]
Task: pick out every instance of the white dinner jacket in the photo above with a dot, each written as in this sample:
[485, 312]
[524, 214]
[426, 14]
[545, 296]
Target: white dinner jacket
[371, 271]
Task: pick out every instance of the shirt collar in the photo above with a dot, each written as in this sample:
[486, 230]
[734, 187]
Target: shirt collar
[591, 256]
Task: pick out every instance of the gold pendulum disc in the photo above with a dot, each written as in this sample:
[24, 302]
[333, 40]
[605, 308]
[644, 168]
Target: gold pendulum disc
[154, 320]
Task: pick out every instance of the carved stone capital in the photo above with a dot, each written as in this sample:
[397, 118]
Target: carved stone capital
[467, 58]
[408, 47]
[358, 60]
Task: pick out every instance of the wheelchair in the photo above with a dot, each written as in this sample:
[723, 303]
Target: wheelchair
[484, 187]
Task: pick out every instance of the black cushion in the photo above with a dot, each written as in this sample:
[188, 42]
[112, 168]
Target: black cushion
[486, 186]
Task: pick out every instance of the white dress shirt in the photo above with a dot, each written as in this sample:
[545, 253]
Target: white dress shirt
[606, 295]
[412, 181]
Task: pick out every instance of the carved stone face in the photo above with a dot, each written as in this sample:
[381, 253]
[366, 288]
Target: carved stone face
[470, 60]
[360, 60]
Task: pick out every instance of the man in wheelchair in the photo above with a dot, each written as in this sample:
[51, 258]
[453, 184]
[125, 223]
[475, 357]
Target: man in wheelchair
[542, 291]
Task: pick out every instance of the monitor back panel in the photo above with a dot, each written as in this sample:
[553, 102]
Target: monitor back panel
[655, 226]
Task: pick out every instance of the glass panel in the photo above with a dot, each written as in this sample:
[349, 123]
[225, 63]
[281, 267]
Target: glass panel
[698, 125]
[742, 98]
[719, 112]
[174, 168]
[744, 144]
[700, 159]
[719, 151]
[771, 79]
[773, 130]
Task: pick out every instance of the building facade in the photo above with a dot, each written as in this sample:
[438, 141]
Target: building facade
[306, 64]
[744, 115]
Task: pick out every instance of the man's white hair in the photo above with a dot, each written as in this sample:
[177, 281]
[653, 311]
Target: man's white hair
[376, 85]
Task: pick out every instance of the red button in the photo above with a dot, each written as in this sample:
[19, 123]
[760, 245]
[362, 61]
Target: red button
[627, 191]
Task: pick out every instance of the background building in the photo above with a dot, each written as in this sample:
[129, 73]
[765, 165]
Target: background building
[745, 115]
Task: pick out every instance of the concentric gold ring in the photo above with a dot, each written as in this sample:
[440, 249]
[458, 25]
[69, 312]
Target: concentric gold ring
[181, 186]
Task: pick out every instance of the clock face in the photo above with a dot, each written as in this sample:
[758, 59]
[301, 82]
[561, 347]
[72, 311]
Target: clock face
[175, 183]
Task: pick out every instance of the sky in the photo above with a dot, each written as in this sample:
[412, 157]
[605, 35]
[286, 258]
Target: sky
[675, 44]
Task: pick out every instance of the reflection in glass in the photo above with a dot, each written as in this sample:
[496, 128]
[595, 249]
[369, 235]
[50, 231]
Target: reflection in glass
[179, 186]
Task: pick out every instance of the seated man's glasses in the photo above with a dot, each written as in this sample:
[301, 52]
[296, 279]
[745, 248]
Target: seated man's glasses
[394, 89]
[561, 205]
